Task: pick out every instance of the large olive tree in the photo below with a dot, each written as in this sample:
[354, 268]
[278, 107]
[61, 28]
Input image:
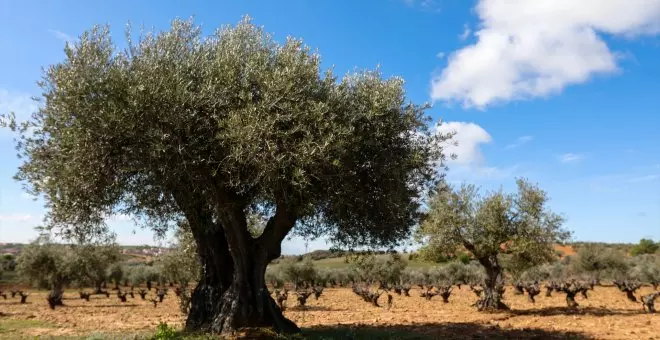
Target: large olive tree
[214, 129]
[518, 224]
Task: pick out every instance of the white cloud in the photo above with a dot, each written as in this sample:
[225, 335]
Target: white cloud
[470, 164]
[466, 32]
[570, 157]
[62, 36]
[16, 218]
[468, 137]
[440, 55]
[529, 49]
[520, 142]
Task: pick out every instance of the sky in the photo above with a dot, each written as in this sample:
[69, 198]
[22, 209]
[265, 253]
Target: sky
[565, 93]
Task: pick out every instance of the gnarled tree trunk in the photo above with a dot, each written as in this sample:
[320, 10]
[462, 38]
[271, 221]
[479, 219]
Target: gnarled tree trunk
[232, 292]
[491, 298]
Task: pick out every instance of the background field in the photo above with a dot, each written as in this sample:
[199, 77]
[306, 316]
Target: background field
[339, 314]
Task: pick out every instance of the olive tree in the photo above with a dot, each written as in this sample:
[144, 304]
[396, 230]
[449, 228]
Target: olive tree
[47, 265]
[116, 274]
[645, 246]
[301, 274]
[181, 264]
[91, 264]
[518, 224]
[213, 129]
[598, 262]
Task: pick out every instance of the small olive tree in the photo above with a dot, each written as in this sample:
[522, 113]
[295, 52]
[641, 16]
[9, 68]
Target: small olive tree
[598, 262]
[92, 262]
[645, 246]
[48, 266]
[116, 274]
[519, 224]
[181, 264]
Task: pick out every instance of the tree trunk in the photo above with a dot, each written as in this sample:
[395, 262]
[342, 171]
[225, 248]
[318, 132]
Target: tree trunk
[54, 297]
[491, 299]
[570, 299]
[232, 292]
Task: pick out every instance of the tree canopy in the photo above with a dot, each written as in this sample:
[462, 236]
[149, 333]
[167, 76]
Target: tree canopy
[519, 225]
[213, 129]
[645, 246]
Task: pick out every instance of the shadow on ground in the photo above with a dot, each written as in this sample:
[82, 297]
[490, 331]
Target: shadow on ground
[315, 309]
[595, 311]
[434, 331]
[419, 331]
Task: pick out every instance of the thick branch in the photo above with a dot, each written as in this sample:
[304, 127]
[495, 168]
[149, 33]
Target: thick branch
[276, 230]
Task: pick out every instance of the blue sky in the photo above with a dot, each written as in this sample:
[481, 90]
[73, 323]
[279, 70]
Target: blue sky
[565, 93]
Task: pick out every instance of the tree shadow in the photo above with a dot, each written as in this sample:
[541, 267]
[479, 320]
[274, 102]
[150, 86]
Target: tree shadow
[16, 303]
[593, 311]
[314, 309]
[123, 305]
[433, 331]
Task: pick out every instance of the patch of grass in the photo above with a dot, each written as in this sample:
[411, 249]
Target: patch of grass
[13, 326]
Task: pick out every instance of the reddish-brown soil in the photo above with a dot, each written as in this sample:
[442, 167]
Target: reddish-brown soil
[607, 314]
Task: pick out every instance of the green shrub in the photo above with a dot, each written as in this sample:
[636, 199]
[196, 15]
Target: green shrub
[165, 332]
[645, 246]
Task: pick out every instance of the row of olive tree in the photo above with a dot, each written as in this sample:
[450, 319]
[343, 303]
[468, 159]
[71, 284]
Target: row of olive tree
[48, 265]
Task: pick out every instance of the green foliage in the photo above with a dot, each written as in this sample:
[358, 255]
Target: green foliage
[645, 268]
[371, 269]
[175, 120]
[300, 273]
[645, 246]
[275, 277]
[46, 265]
[165, 332]
[520, 224]
[91, 263]
[7, 262]
[598, 261]
[537, 273]
[464, 258]
[116, 273]
[138, 274]
[181, 264]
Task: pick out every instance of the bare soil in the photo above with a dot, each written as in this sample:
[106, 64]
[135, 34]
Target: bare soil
[606, 314]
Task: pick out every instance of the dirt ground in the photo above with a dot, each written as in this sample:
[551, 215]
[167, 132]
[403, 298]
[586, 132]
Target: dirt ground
[607, 314]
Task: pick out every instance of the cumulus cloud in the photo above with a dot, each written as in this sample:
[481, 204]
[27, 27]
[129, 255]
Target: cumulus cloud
[470, 164]
[527, 49]
[468, 139]
[520, 142]
[570, 157]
